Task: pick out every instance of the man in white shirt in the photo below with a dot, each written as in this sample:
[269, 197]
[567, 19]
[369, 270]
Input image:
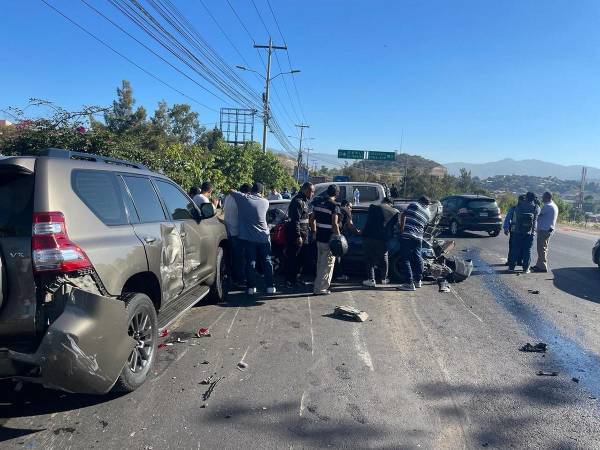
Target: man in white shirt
[273, 194]
[204, 195]
[546, 224]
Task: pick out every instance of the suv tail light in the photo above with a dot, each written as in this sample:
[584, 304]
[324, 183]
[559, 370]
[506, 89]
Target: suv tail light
[51, 248]
[463, 211]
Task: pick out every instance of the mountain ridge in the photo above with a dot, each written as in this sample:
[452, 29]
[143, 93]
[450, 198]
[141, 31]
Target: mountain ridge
[534, 167]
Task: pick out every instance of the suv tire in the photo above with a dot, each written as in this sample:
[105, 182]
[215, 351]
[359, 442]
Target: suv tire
[395, 270]
[494, 233]
[218, 290]
[142, 323]
[453, 228]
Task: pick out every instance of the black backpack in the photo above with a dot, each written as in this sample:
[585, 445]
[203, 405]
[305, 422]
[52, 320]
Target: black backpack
[524, 220]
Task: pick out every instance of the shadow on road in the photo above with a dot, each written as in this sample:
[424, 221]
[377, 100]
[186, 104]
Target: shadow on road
[488, 427]
[582, 282]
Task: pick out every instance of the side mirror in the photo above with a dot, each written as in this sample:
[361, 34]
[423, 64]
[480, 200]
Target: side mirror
[207, 210]
[195, 213]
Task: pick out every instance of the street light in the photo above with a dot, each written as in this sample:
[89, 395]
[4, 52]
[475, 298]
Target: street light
[267, 79]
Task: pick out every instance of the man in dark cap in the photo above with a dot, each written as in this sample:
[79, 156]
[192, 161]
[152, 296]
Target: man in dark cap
[297, 232]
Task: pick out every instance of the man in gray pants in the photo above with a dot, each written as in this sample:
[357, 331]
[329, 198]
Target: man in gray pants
[546, 224]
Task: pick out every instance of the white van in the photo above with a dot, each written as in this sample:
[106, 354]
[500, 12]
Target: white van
[369, 193]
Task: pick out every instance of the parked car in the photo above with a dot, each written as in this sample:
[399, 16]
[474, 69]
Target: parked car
[471, 212]
[596, 253]
[369, 192]
[97, 256]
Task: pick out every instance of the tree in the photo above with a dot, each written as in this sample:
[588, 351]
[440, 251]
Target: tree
[122, 118]
[184, 124]
[210, 139]
[160, 120]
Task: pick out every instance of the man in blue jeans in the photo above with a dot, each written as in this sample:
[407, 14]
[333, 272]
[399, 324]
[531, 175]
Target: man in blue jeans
[253, 233]
[413, 221]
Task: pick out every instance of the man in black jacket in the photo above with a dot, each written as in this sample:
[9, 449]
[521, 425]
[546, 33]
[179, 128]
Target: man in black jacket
[381, 221]
[297, 232]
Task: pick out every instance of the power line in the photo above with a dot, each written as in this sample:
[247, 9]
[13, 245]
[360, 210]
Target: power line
[126, 58]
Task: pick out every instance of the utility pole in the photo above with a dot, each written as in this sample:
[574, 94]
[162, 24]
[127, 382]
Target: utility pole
[308, 150]
[302, 127]
[266, 112]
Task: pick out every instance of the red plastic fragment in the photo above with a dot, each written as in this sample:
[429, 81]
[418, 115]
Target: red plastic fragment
[164, 333]
[203, 332]
[161, 346]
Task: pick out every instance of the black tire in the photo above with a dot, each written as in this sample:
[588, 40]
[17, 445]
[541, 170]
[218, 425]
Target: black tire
[141, 318]
[494, 233]
[219, 288]
[454, 229]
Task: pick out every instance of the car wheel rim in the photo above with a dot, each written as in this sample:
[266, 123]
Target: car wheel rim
[140, 329]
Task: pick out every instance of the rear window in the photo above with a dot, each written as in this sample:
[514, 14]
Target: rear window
[482, 204]
[101, 193]
[367, 193]
[16, 204]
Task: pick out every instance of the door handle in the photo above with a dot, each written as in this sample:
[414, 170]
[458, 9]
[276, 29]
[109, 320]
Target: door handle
[149, 239]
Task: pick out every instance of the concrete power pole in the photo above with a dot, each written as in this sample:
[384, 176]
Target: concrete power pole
[266, 112]
[308, 150]
[302, 127]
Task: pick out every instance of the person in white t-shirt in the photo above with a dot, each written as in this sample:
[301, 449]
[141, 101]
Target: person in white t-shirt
[273, 194]
[204, 196]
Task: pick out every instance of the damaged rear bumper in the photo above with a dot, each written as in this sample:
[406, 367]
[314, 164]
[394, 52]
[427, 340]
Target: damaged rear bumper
[84, 350]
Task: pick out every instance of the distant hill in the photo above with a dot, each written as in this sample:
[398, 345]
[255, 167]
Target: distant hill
[533, 167]
[402, 160]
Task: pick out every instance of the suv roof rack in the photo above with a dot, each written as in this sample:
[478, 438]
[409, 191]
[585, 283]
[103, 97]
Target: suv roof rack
[70, 154]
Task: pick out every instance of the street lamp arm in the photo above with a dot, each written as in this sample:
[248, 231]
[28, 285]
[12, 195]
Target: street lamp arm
[285, 73]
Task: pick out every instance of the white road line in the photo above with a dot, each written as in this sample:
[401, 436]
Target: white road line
[232, 322]
[458, 297]
[218, 319]
[361, 347]
[245, 353]
[302, 403]
[312, 333]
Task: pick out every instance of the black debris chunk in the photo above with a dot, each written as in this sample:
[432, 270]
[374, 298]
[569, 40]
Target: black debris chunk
[207, 380]
[533, 291]
[210, 389]
[575, 379]
[543, 373]
[540, 347]
[350, 313]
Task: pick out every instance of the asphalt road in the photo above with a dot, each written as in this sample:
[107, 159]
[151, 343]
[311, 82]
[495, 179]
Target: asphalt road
[427, 370]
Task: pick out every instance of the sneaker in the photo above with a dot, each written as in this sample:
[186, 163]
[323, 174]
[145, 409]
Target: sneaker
[369, 283]
[407, 287]
[537, 269]
[526, 270]
[251, 291]
[511, 268]
[271, 290]
[327, 292]
[419, 284]
[386, 281]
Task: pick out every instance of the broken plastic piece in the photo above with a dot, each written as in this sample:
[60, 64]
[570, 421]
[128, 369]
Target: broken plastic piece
[575, 379]
[540, 347]
[543, 373]
[207, 380]
[532, 291]
[242, 365]
[205, 362]
[203, 332]
[164, 333]
[349, 312]
[161, 346]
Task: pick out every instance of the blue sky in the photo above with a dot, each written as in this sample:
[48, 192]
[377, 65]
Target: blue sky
[453, 80]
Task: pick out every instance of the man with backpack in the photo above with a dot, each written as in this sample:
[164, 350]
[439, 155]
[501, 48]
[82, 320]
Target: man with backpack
[523, 227]
[381, 221]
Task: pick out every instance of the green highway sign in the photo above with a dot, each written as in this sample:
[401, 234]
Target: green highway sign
[382, 156]
[351, 154]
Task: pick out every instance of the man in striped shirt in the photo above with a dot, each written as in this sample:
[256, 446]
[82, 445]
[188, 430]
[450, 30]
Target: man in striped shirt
[413, 221]
[325, 223]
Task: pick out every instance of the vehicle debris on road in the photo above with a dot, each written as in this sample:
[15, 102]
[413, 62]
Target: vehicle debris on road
[543, 373]
[202, 332]
[540, 347]
[211, 388]
[533, 291]
[349, 312]
[242, 365]
[207, 380]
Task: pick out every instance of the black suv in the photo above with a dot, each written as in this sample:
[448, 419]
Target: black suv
[471, 212]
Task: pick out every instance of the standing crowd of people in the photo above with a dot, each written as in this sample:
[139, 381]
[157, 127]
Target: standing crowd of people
[523, 222]
[323, 220]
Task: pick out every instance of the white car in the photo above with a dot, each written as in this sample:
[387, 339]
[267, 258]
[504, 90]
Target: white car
[369, 193]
